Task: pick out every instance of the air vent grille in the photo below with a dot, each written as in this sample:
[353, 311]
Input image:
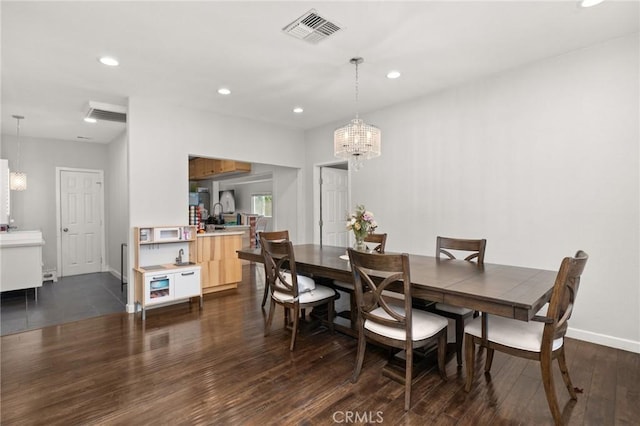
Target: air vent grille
[108, 112]
[311, 27]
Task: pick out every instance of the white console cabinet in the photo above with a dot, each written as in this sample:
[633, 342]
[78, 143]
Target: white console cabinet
[21, 260]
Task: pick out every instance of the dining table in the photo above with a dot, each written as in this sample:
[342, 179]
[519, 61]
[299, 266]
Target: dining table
[509, 291]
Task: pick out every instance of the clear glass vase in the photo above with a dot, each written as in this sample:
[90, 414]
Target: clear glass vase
[359, 244]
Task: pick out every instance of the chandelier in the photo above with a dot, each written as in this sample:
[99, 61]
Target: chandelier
[18, 179]
[356, 141]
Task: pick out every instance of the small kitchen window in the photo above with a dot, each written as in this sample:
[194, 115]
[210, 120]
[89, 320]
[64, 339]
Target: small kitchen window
[261, 204]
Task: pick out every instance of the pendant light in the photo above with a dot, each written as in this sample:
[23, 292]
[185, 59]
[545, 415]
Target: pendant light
[18, 179]
[356, 141]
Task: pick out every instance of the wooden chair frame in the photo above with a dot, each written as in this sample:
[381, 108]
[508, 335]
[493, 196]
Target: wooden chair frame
[478, 248]
[274, 235]
[381, 240]
[555, 322]
[279, 256]
[396, 269]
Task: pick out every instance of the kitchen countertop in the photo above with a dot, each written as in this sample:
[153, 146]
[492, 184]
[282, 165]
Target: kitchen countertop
[168, 267]
[21, 238]
[220, 233]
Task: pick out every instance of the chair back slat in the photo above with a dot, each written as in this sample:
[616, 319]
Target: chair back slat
[565, 290]
[476, 246]
[374, 273]
[275, 235]
[381, 239]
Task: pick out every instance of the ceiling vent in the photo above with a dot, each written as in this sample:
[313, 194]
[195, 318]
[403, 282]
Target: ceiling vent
[108, 112]
[312, 27]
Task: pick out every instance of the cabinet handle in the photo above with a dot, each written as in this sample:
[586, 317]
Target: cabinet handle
[159, 278]
[184, 274]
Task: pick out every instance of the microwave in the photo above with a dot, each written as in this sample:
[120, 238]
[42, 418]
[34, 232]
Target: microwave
[167, 234]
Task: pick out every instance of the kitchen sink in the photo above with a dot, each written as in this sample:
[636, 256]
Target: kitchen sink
[184, 263]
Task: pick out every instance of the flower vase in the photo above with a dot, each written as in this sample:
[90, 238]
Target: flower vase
[359, 244]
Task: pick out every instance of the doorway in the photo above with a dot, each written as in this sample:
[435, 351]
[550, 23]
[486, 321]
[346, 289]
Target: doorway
[334, 198]
[80, 212]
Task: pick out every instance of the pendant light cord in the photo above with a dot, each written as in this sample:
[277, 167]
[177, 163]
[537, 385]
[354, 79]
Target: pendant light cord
[18, 118]
[357, 92]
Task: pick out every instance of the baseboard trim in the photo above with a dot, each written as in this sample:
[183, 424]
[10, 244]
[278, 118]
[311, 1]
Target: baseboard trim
[603, 339]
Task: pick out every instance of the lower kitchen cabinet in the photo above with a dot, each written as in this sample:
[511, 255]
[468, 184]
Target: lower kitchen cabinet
[217, 257]
[166, 286]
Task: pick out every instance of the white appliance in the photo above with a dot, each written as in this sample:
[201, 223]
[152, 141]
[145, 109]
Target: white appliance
[167, 234]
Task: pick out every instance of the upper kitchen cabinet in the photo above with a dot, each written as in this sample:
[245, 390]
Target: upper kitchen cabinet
[209, 168]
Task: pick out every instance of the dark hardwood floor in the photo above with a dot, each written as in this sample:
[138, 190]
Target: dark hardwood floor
[185, 366]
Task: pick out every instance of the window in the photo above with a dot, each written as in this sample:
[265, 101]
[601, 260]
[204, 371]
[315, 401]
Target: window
[261, 204]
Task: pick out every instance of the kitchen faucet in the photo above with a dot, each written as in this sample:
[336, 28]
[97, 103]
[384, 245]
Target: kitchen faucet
[179, 258]
[214, 209]
[220, 220]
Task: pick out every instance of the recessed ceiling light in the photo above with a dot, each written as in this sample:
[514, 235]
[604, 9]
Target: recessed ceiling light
[298, 110]
[90, 120]
[393, 74]
[589, 3]
[109, 61]
[224, 91]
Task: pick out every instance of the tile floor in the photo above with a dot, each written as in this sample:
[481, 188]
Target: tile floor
[70, 299]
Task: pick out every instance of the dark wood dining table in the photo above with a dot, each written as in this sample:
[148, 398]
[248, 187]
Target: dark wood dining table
[510, 291]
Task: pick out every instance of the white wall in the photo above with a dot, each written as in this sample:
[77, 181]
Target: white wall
[35, 208]
[541, 160]
[116, 200]
[162, 137]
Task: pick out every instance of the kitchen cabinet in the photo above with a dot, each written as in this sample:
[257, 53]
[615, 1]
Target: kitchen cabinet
[165, 271]
[216, 255]
[207, 168]
[168, 286]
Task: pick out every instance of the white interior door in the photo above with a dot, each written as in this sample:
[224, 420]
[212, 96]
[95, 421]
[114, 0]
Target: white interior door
[81, 238]
[334, 186]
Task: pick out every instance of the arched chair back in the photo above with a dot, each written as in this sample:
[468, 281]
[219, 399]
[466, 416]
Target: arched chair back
[476, 247]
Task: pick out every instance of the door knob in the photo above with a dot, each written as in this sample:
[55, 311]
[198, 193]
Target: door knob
[65, 229]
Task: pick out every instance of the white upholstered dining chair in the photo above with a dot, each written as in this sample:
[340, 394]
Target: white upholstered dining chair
[474, 249]
[541, 339]
[400, 327]
[293, 291]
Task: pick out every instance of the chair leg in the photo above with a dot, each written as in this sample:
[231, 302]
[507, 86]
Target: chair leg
[562, 362]
[442, 353]
[362, 344]
[267, 327]
[294, 329]
[549, 388]
[353, 310]
[459, 338]
[408, 377]
[330, 314]
[266, 293]
[489, 361]
[470, 355]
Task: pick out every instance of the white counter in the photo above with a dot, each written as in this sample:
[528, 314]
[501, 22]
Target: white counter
[220, 233]
[21, 260]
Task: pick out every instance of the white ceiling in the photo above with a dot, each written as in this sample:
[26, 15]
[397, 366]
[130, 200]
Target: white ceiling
[182, 52]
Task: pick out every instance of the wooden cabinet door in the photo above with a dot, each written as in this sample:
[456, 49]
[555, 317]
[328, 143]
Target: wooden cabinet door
[219, 261]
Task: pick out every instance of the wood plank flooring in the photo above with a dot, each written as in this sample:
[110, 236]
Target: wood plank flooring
[185, 366]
